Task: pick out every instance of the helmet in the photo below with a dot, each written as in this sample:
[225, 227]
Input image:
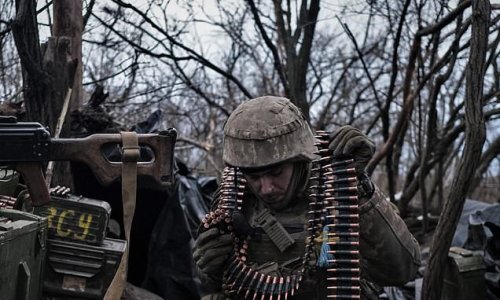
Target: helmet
[265, 131]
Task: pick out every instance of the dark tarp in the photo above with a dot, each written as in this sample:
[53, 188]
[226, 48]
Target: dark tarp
[170, 270]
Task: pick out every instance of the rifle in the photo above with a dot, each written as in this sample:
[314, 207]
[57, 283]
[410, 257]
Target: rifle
[25, 146]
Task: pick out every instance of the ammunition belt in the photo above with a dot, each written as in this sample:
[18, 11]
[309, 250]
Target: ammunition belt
[229, 198]
[335, 212]
[7, 202]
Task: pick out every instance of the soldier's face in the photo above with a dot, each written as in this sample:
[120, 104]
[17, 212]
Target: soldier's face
[271, 184]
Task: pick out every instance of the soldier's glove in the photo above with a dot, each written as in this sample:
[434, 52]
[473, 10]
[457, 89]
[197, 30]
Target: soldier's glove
[211, 250]
[348, 141]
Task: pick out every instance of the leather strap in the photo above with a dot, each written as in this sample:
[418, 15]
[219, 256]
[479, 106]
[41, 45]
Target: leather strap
[130, 156]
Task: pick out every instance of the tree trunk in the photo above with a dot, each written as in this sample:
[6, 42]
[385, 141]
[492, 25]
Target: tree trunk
[67, 34]
[474, 140]
[58, 63]
[68, 22]
[35, 79]
[48, 73]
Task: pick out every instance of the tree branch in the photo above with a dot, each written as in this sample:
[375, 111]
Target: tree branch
[270, 45]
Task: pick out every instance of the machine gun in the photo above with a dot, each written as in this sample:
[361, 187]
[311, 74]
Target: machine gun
[26, 146]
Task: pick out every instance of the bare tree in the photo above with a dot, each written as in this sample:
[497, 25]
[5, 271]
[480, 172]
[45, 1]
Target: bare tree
[398, 94]
[475, 132]
[48, 71]
[400, 76]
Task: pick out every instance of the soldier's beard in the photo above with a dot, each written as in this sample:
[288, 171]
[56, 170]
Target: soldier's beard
[298, 182]
[295, 189]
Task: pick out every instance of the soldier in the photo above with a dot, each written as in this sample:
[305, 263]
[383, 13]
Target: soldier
[269, 140]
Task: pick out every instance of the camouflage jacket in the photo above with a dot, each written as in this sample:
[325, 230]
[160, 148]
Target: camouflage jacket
[390, 255]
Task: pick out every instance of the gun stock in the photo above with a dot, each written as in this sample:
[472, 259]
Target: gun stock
[156, 155]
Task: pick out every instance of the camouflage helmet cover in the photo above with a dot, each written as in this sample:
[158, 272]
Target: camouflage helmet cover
[265, 131]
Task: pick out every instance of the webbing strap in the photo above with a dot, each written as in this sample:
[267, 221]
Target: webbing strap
[130, 156]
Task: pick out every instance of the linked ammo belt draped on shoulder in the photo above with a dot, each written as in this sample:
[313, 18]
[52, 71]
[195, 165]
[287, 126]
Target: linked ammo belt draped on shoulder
[333, 223]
